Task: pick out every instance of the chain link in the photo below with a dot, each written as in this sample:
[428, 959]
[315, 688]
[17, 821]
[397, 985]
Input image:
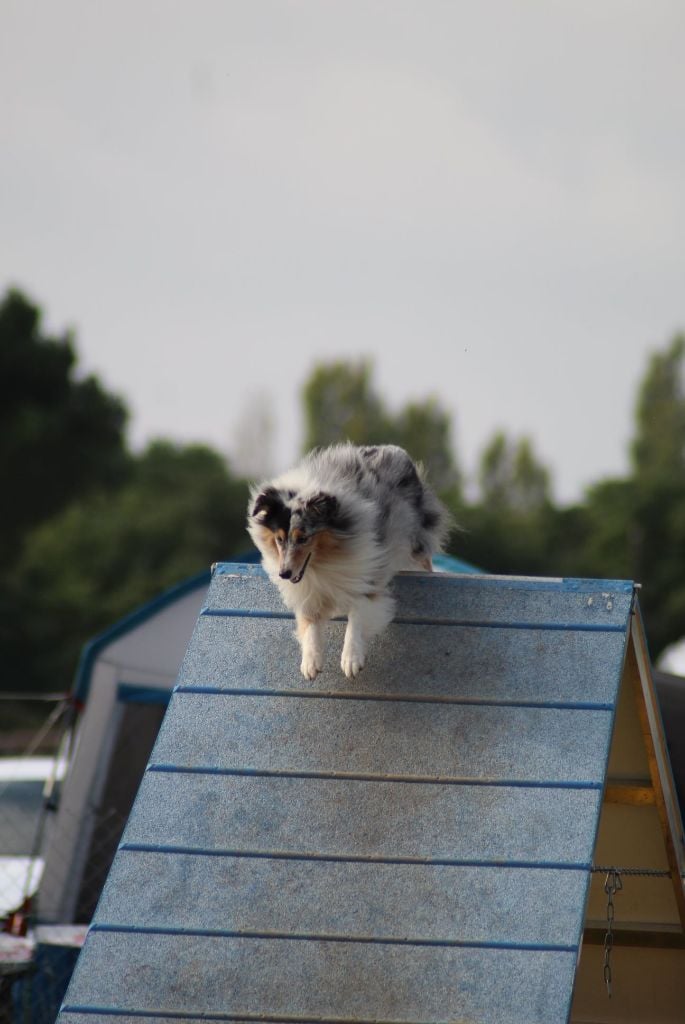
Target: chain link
[612, 885]
[644, 872]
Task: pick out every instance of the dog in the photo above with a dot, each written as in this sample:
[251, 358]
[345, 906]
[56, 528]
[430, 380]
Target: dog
[334, 531]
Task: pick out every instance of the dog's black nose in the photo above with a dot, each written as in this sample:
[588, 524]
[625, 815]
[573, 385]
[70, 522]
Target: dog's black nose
[286, 574]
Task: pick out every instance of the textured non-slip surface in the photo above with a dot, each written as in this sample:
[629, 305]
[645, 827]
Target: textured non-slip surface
[412, 846]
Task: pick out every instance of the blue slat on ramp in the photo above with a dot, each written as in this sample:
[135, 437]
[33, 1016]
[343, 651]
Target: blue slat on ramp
[412, 846]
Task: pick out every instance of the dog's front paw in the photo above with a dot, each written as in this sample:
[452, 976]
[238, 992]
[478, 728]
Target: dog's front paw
[312, 664]
[352, 662]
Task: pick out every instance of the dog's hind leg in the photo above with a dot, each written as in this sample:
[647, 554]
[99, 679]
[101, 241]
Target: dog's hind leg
[367, 617]
[310, 635]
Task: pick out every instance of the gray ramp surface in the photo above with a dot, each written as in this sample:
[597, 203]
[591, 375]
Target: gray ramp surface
[412, 846]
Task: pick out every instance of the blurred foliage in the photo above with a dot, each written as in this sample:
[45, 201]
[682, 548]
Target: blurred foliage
[658, 449]
[512, 480]
[90, 530]
[60, 436]
[632, 528]
[341, 404]
[178, 512]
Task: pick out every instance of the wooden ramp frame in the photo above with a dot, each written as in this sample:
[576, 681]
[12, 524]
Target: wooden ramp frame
[413, 846]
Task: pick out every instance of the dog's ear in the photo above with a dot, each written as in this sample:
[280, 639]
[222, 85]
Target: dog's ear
[266, 505]
[323, 509]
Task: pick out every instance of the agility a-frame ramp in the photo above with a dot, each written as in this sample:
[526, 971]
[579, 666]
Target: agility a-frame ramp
[414, 846]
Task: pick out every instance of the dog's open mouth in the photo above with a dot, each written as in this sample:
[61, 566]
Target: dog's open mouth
[296, 579]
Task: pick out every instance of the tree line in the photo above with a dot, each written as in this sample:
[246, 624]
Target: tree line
[89, 529]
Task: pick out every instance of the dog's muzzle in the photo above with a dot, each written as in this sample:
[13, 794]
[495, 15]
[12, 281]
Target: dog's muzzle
[296, 579]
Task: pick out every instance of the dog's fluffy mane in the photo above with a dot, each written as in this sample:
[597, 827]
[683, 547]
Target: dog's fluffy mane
[374, 515]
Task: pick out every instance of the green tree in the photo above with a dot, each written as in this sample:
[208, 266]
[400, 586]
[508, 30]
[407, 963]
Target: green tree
[495, 472]
[613, 541]
[424, 429]
[658, 449]
[511, 477]
[60, 436]
[510, 528]
[179, 511]
[341, 404]
[636, 526]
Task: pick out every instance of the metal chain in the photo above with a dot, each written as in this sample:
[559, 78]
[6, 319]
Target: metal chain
[612, 885]
[645, 872]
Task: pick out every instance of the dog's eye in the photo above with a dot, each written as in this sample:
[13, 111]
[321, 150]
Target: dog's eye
[301, 540]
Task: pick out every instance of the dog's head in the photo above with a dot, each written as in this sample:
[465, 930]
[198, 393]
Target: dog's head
[290, 530]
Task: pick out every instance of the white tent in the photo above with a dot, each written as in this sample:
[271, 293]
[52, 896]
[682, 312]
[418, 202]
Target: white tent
[123, 683]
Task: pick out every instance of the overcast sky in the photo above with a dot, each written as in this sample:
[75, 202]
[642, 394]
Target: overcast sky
[487, 199]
